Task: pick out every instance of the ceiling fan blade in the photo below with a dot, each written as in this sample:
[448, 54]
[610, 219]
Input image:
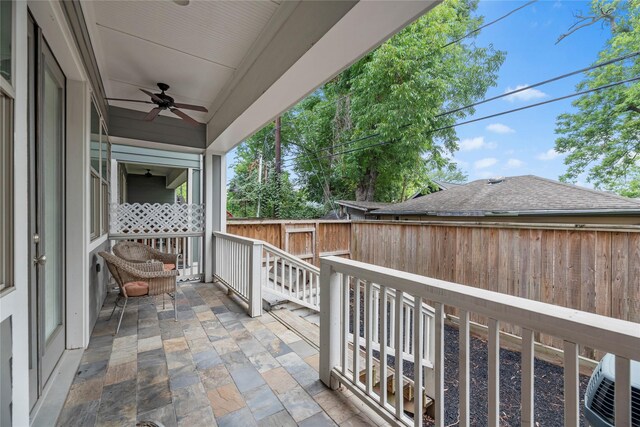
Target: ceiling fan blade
[128, 100]
[191, 107]
[184, 117]
[152, 95]
[152, 114]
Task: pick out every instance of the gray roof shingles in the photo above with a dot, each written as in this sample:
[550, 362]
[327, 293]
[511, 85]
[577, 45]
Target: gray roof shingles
[527, 194]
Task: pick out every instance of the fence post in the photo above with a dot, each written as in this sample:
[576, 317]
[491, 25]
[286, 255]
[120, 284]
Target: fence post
[255, 284]
[329, 322]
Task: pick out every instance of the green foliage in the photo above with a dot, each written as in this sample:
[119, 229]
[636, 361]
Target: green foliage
[602, 138]
[396, 92]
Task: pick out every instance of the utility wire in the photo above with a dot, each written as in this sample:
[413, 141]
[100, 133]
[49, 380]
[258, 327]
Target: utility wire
[503, 95]
[459, 39]
[514, 110]
[488, 24]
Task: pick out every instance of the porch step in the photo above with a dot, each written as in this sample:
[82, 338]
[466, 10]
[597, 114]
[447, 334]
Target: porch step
[307, 330]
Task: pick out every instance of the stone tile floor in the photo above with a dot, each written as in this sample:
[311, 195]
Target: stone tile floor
[214, 366]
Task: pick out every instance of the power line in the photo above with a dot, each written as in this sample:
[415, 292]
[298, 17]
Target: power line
[504, 95]
[459, 39]
[584, 92]
[488, 24]
[514, 110]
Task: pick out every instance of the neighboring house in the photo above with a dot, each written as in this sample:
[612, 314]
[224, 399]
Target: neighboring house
[349, 209]
[525, 198]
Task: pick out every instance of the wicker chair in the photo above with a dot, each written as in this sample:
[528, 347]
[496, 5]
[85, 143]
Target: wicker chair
[138, 253]
[132, 277]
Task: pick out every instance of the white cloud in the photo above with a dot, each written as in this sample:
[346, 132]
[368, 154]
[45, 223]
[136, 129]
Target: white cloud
[476, 143]
[499, 128]
[525, 95]
[550, 154]
[485, 163]
[514, 163]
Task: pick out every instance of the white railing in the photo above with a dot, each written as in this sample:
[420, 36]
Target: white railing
[574, 327]
[238, 265]
[297, 281]
[290, 277]
[173, 228]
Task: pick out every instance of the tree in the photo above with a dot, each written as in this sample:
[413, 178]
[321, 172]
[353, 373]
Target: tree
[602, 138]
[395, 93]
[254, 192]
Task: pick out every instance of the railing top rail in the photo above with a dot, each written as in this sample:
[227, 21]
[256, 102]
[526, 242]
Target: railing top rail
[600, 332]
[292, 258]
[124, 236]
[238, 239]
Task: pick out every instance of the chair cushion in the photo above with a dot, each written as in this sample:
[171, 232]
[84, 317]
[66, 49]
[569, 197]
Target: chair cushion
[136, 289]
[169, 267]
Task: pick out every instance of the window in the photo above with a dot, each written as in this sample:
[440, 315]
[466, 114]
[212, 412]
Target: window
[100, 149]
[6, 40]
[6, 191]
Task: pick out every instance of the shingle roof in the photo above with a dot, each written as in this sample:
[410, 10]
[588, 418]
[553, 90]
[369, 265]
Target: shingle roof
[526, 194]
[363, 206]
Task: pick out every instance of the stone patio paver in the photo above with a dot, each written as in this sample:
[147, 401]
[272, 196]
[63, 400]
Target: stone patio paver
[214, 366]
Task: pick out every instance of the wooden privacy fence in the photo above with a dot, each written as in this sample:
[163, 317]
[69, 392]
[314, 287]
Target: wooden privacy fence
[590, 268]
[595, 269]
[308, 240]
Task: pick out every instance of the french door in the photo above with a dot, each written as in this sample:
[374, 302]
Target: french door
[47, 212]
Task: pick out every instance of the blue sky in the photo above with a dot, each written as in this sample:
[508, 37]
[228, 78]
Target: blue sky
[522, 143]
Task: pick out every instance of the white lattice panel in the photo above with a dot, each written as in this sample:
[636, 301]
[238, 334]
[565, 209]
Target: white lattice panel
[165, 218]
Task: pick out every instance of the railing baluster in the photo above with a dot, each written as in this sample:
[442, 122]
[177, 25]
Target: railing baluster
[494, 372]
[368, 325]
[407, 330]
[375, 335]
[463, 387]
[356, 332]
[345, 323]
[439, 365]
[304, 285]
[384, 322]
[399, 396]
[417, 361]
[571, 385]
[527, 381]
[623, 392]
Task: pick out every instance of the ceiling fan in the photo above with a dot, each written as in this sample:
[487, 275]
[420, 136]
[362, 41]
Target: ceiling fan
[165, 102]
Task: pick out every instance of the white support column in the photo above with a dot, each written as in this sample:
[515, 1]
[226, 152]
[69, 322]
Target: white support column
[329, 323]
[255, 284]
[215, 199]
[77, 214]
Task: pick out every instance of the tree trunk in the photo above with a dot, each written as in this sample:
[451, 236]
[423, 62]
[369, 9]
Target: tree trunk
[367, 187]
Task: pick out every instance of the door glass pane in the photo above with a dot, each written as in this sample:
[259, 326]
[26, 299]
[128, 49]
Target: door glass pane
[52, 196]
[6, 38]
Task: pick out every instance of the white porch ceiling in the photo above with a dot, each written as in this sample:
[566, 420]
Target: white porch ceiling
[246, 61]
[196, 49]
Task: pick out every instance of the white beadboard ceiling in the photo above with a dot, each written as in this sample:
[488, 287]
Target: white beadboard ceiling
[195, 48]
